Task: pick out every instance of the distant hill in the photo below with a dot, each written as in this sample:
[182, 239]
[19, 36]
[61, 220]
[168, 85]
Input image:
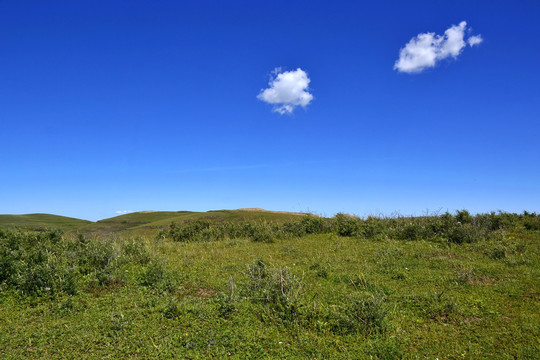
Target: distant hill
[138, 223]
[39, 222]
[149, 222]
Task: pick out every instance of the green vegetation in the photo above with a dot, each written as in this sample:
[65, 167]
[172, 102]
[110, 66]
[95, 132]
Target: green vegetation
[241, 285]
[40, 222]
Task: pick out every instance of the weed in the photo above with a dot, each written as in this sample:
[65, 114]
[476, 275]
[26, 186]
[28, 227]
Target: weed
[118, 322]
[435, 306]
[362, 313]
[386, 349]
[172, 310]
[278, 289]
[320, 270]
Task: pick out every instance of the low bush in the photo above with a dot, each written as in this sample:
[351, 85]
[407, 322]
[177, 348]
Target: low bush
[346, 225]
[155, 276]
[47, 263]
[460, 228]
[531, 222]
[278, 290]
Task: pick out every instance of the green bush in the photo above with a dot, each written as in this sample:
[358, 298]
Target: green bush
[373, 227]
[346, 225]
[464, 233]
[152, 275]
[47, 263]
[531, 222]
[278, 290]
[464, 217]
[459, 228]
[35, 263]
[186, 232]
[410, 231]
[136, 251]
[313, 224]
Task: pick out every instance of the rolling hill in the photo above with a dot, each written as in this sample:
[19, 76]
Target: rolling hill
[137, 223]
[41, 222]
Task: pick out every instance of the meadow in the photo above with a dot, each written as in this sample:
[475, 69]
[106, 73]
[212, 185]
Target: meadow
[254, 284]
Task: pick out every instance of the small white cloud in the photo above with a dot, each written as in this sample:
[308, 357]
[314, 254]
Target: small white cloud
[121, 212]
[288, 89]
[425, 50]
[475, 40]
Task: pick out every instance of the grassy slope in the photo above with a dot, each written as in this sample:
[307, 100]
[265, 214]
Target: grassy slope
[445, 301]
[139, 223]
[149, 222]
[41, 222]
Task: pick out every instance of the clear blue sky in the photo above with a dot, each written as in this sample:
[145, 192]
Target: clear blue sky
[135, 105]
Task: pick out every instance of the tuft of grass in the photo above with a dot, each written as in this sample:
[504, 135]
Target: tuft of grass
[279, 290]
[361, 313]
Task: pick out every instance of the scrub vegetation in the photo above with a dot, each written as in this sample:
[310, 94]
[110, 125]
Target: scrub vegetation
[252, 284]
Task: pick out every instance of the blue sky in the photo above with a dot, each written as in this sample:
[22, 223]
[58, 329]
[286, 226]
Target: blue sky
[109, 106]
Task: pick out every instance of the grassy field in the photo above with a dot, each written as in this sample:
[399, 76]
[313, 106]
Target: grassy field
[295, 287]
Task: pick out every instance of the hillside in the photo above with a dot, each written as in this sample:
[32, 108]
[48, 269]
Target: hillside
[137, 223]
[149, 222]
[40, 222]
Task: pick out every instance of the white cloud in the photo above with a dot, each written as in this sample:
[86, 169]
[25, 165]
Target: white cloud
[475, 40]
[288, 89]
[425, 50]
[121, 212]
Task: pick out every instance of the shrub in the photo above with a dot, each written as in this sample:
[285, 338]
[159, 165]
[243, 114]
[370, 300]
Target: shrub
[461, 228]
[313, 224]
[47, 263]
[136, 251]
[410, 231]
[35, 263]
[186, 232]
[293, 229]
[531, 222]
[464, 217]
[152, 275]
[277, 289]
[262, 233]
[346, 225]
[464, 233]
[372, 227]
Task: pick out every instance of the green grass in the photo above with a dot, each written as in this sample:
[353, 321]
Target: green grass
[146, 223]
[314, 296]
[150, 222]
[41, 222]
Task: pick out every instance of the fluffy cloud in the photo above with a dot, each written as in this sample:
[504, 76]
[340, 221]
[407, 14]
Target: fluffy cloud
[121, 212]
[288, 89]
[425, 50]
[475, 40]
